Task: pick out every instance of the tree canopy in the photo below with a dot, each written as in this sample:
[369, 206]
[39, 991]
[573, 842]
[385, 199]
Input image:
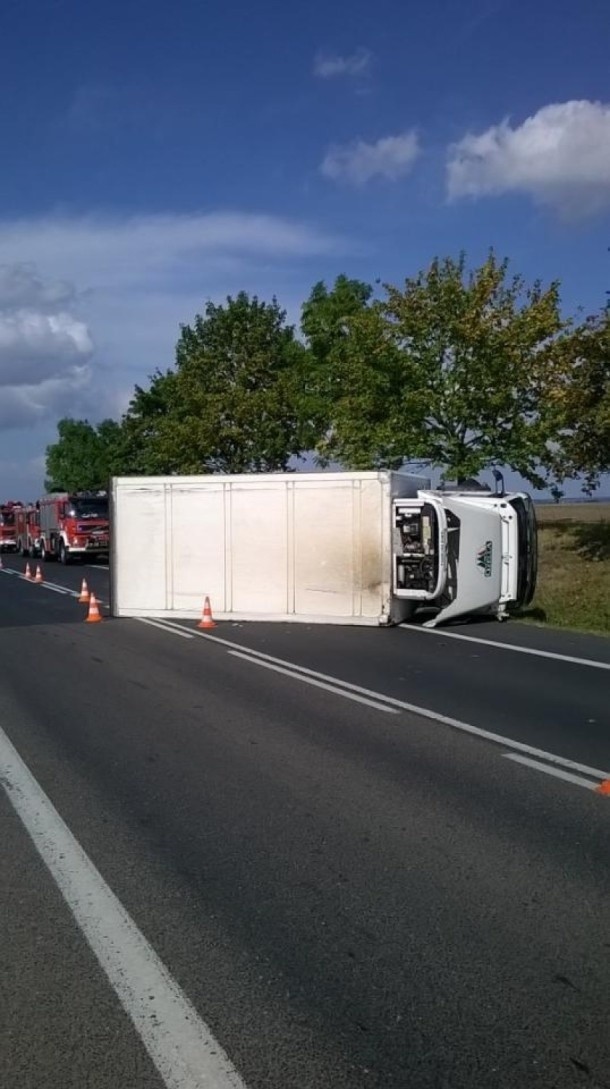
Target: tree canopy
[84, 456]
[453, 369]
[457, 368]
[580, 405]
[235, 399]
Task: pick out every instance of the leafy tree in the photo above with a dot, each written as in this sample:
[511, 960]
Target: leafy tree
[461, 369]
[454, 369]
[232, 404]
[84, 456]
[143, 447]
[325, 324]
[580, 405]
[325, 314]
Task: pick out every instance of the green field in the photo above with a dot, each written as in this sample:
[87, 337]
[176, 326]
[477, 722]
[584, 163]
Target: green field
[574, 569]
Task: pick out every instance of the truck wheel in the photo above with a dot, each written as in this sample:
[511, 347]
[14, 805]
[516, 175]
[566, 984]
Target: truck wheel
[42, 552]
[63, 554]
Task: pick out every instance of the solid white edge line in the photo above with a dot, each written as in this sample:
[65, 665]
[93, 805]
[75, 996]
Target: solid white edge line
[423, 712]
[57, 586]
[180, 1044]
[296, 675]
[54, 586]
[556, 772]
[592, 663]
[156, 624]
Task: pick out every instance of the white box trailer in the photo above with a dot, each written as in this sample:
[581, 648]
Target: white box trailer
[340, 548]
[285, 546]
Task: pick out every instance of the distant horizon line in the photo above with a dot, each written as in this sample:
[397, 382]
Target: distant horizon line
[574, 499]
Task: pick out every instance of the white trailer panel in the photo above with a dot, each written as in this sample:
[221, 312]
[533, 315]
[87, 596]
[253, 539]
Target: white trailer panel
[293, 546]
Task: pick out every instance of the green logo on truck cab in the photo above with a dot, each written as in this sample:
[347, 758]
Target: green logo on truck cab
[485, 558]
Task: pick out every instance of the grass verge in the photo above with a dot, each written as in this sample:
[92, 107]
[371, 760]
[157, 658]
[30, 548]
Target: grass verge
[574, 567]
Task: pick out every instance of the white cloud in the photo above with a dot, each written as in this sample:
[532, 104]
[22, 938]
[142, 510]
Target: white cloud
[331, 65]
[21, 286]
[25, 406]
[391, 157]
[100, 250]
[35, 346]
[560, 156]
[91, 305]
[44, 348]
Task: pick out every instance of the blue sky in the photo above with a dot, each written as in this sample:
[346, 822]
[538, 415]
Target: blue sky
[156, 155]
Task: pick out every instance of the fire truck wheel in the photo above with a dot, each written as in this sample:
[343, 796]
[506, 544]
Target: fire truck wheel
[63, 554]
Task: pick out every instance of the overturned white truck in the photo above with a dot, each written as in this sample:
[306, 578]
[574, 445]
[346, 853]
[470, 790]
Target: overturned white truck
[341, 548]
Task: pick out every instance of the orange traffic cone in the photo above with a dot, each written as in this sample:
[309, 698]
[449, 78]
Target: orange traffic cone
[94, 616]
[84, 593]
[604, 787]
[207, 620]
[28, 573]
[38, 577]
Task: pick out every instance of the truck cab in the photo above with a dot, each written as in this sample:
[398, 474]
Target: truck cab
[464, 551]
[8, 536]
[74, 526]
[27, 530]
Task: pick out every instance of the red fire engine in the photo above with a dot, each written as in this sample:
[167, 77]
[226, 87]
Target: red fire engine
[27, 529]
[8, 511]
[73, 526]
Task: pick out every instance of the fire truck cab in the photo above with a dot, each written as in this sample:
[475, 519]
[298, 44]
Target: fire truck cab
[27, 529]
[73, 526]
[8, 513]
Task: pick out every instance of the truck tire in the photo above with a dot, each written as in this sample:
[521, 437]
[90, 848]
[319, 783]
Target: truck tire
[64, 556]
[42, 552]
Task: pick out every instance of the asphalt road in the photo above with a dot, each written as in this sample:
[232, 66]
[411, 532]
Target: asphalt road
[348, 893]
